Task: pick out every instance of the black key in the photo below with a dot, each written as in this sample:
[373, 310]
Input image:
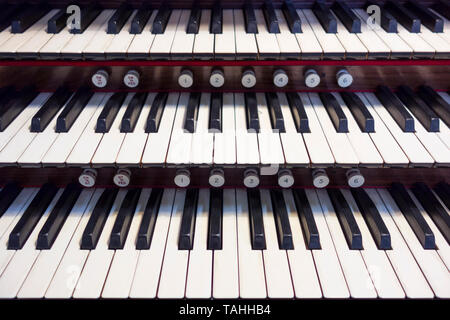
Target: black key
[15, 106]
[346, 219]
[6, 94]
[156, 112]
[251, 107]
[73, 109]
[258, 238]
[419, 109]
[194, 20]
[442, 189]
[122, 224]
[396, 109]
[298, 112]
[271, 17]
[359, 111]
[347, 16]
[133, 111]
[50, 108]
[161, 19]
[325, 17]
[8, 195]
[57, 217]
[215, 219]
[413, 216]
[431, 20]
[8, 14]
[433, 207]
[215, 26]
[94, 227]
[140, 19]
[147, 227]
[306, 218]
[436, 103]
[388, 22]
[31, 216]
[283, 227]
[334, 111]
[442, 7]
[405, 17]
[292, 18]
[190, 121]
[109, 112]
[187, 227]
[56, 23]
[87, 16]
[250, 19]
[119, 18]
[27, 18]
[276, 116]
[373, 219]
[215, 113]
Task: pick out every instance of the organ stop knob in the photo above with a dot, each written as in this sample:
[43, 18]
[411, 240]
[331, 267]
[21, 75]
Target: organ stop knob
[312, 78]
[280, 78]
[182, 178]
[100, 78]
[186, 79]
[344, 78]
[217, 178]
[131, 79]
[354, 178]
[122, 178]
[217, 78]
[87, 178]
[320, 178]
[285, 178]
[251, 178]
[248, 78]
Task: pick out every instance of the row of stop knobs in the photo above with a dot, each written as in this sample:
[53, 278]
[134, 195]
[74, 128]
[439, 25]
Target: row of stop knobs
[217, 78]
[251, 178]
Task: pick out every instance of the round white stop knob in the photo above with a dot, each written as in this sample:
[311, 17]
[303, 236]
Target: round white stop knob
[186, 78]
[217, 78]
[320, 178]
[182, 178]
[216, 178]
[354, 178]
[312, 78]
[280, 78]
[122, 178]
[100, 78]
[87, 178]
[285, 178]
[131, 79]
[344, 78]
[248, 79]
[251, 178]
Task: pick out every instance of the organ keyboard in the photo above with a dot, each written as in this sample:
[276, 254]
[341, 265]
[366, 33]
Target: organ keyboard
[224, 150]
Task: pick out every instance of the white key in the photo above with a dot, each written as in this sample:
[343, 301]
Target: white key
[202, 140]
[109, 146]
[225, 141]
[315, 140]
[446, 34]
[293, 145]
[19, 143]
[329, 42]
[420, 47]
[148, 268]
[441, 46]
[163, 42]
[95, 271]
[247, 151]
[303, 270]
[172, 281]
[69, 269]
[180, 142]
[362, 144]
[328, 267]
[74, 48]
[5, 35]
[52, 48]
[252, 282]
[41, 274]
[339, 144]
[121, 272]
[95, 48]
[287, 42]
[246, 46]
[204, 41]
[309, 45]
[409, 143]
[386, 145]
[65, 142]
[276, 265]
[142, 42]
[406, 268]
[267, 42]
[199, 274]
[84, 149]
[224, 44]
[353, 46]
[183, 42]
[225, 261]
[15, 273]
[118, 47]
[358, 279]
